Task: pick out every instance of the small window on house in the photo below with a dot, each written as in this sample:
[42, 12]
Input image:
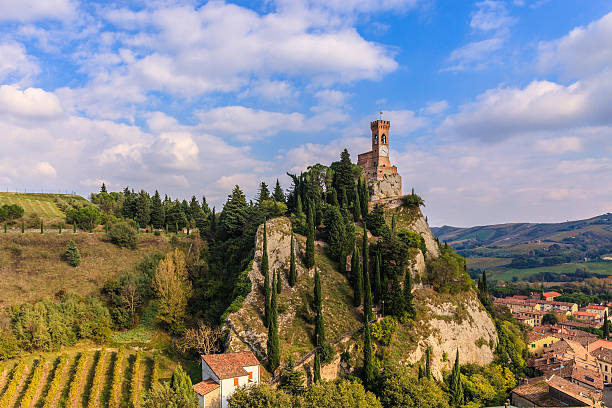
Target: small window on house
[235, 382]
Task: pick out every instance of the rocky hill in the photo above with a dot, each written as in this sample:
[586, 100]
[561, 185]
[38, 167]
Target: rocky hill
[444, 323]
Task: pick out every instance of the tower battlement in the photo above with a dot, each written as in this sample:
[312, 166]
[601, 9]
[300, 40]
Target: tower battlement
[383, 124]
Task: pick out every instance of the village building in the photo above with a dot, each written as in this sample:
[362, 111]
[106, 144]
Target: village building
[550, 296]
[588, 317]
[604, 360]
[539, 343]
[222, 374]
[554, 391]
[601, 311]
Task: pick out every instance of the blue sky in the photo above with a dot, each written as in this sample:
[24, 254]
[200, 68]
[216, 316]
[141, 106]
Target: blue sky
[500, 110]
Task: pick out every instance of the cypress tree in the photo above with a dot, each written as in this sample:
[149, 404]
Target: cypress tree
[356, 208]
[344, 199]
[368, 368]
[393, 224]
[74, 227]
[357, 275]
[279, 282]
[273, 343]
[72, 254]
[310, 249]
[420, 372]
[365, 198]
[332, 197]
[5, 228]
[377, 280]
[157, 211]
[317, 366]
[298, 209]
[292, 268]
[41, 227]
[408, 297]
[428, 362]
[367, 298]
[278, 195]
[606, 326]
[455, 386]
[318, 301]
[266, 273]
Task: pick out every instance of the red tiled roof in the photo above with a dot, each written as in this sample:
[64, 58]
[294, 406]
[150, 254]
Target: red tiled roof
[551, 294]
[205, 387]
[595, 307]
[230, 365]
[586, 314]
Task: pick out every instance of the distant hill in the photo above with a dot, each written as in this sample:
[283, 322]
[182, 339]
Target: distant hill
[49, 207]
[529, 246]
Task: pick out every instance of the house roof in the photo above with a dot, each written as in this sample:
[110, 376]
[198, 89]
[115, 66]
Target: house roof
[603, 354]
[205, 387]
[586, 314]
[551, 294]
[599, 343]
[230, 365]
[575, 391]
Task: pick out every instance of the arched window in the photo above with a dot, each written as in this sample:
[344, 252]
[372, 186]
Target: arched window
[384, 139]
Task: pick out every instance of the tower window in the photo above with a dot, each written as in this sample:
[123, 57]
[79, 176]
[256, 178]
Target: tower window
[384, 139]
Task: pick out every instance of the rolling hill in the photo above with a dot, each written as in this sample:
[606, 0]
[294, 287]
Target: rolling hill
[523, 249]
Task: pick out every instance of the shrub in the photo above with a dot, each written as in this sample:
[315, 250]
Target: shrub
[413, 200]
[122, 235]
[72, 254]
[376, 221]
[383, 330]
[10, 212]
[85, 218]
[8, 345]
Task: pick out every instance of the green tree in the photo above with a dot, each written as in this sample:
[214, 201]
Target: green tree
[278, 194]
[365, 199]
[157, 211]
[428, 362]
[357, 276]
[292, 267]
[292, 380]
[367, 298]
[72, 254]
[376, 221]
[279, 282]
[318, 304]
[343, 176]
[123, 235]
[408, 297]
[335, 228]
[356, 208]
[263, 194]
[259, 396]
[143, 209]
[455, 386]
[233, 216]
[606, 326]
[273, 343]
[368, 368]
[173, 289]
[41, 227]
[310, 248]
[317, 365]
[377, 279]
[399, 389]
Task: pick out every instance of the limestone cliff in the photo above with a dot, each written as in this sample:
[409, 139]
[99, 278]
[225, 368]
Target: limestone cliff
[390, 186]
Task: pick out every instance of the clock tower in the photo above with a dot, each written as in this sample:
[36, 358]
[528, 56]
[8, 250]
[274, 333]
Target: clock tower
[376, 163]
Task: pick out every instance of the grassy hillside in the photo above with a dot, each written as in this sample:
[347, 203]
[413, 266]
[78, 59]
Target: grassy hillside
[521, 250]
[89, 384]
[31, 265]
[45, 205]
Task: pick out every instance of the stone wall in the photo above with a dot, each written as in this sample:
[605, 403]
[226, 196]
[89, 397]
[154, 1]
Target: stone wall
[390, 186]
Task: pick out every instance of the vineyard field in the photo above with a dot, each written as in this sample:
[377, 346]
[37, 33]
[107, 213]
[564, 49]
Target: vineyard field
[85, 379]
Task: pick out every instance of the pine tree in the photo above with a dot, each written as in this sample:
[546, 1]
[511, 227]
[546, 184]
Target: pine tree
[377, 280]
[233, 218]
[278, 195]
[273, 343]
[279, 282]
[157, 211]
[72, 254]
[393, 224]
[143, 209]
[428, 362]
[606, 326]
[213, 220]
[310, 248]
[41, 227]
[456, 387]
[356, 208]
[317, 366]
[103, 188]
[332, 197]
[336, 232]
[292, 268]
[368, 368]
[264, 193]
[343, 176]
[420, 372]
[408, 297]
[266, 273]
[357, 275]
[204, 206]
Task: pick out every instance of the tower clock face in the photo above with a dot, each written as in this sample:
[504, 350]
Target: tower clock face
[384, 151]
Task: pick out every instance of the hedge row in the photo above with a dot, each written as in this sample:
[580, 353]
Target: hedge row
[95, 386]
[76, 381]
[155, 372]
[33, 385]
[116, 384]
[134, 380]
[12, 385]
[55, 383]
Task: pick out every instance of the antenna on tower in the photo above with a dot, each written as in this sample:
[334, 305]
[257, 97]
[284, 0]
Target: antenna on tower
[380, 113]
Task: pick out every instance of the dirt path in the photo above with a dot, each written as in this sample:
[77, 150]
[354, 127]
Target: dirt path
[43, 382]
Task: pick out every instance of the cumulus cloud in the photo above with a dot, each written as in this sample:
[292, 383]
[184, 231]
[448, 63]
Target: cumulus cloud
[45, 169]
[31, 10]
[490, 15]
[560, 145]
[583, 51]
[474, 55]
[16, 66]
[30, 103]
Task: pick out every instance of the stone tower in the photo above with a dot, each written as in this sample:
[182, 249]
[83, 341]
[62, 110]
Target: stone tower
[383, 179]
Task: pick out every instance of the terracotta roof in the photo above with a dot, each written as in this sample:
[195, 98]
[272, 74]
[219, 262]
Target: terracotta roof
[536, 391]
[586, 314]
[230, 365]
[599, 343]
[576, 391]
[603, 354]
[205, 387]
[595, 307]
[551, 294]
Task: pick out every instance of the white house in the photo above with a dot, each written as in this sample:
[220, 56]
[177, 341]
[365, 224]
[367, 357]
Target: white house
[222, 374]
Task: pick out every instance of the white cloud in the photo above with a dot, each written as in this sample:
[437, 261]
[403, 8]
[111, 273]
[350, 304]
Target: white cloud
[490, 15]
[560, 145]
[30, 103]
[435, 107]
[274, 91]
[474, 55]
[586, 165]
[404, 121]
[331, 97]
[31, 10]
[45, 169]
[583, 51]
[16, 66]
[540, 106]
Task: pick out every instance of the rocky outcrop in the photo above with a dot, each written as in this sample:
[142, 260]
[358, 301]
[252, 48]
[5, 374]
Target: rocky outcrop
[390, 186]
[457, 323]
[419, 225]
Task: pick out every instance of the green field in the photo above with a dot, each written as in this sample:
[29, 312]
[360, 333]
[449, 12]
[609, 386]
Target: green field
[103, 378]
[42, 204]
[506, 274]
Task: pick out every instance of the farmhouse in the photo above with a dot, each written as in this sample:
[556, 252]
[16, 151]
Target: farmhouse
[222, 374]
